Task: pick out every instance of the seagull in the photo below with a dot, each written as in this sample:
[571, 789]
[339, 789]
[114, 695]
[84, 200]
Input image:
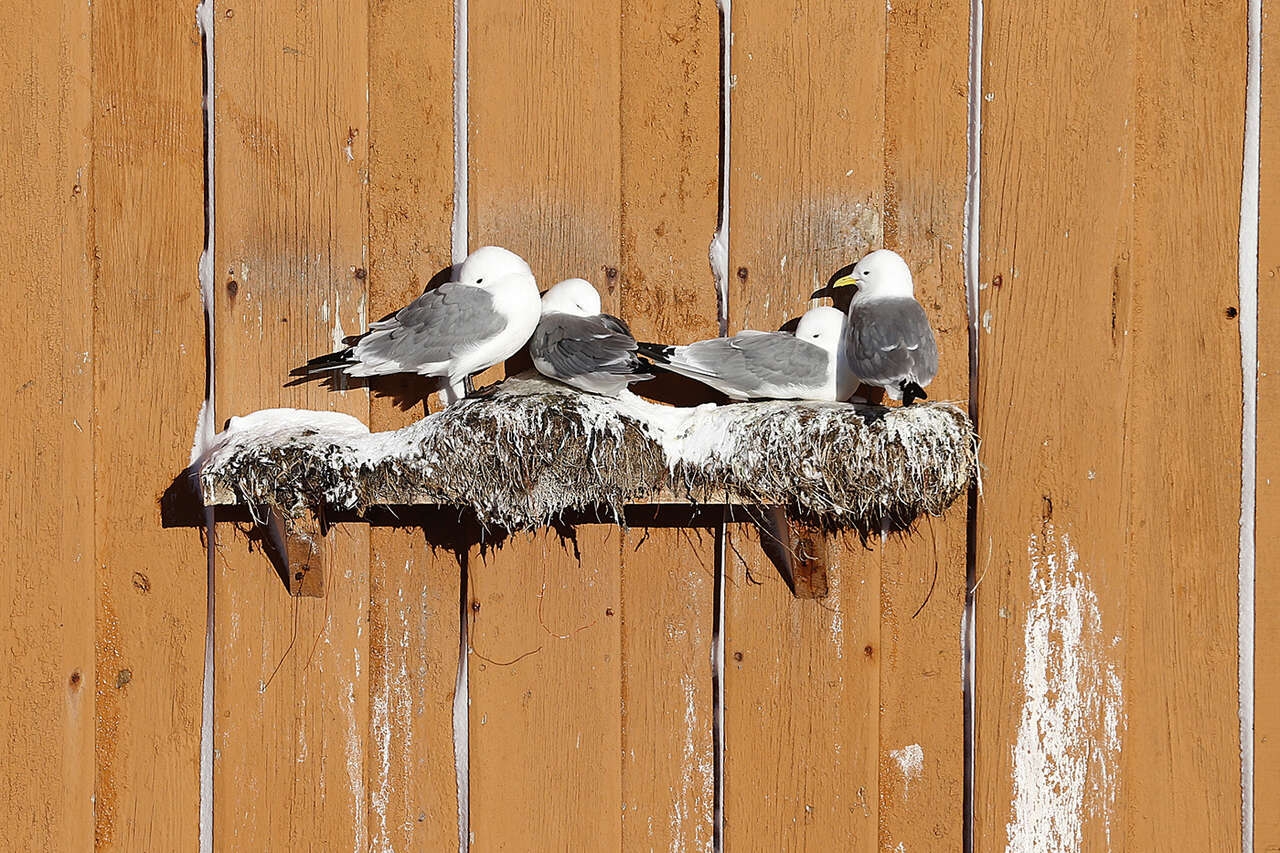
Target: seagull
[460, 328]
[768, 365]
[889, 342]
[578, 345]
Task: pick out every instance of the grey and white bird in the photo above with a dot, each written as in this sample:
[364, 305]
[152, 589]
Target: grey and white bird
[888, 341]
[752, 365]
[463, 326]
[579, 345]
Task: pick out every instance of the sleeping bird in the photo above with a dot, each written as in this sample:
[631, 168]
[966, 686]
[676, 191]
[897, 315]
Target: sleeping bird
[462, 327]
[755, 365]
[888, 342]
[580, 346]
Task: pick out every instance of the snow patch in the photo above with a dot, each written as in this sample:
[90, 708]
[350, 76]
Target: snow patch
[1073, 719]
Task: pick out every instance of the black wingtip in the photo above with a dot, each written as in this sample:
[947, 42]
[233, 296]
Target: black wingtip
[911, 391]
[324, 363]
[657, 353]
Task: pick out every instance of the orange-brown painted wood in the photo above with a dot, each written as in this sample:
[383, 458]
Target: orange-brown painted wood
[413, 580]
[801, 703]
[669, 173]
[46, 435]
[1106, 549]
[544, 182]
[148, 366]
[1267, 511]
[291, 674]
[922, 575]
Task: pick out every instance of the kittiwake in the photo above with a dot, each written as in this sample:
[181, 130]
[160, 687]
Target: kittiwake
[888, 342]
[461, 327]
[580, 346]
[754, 365]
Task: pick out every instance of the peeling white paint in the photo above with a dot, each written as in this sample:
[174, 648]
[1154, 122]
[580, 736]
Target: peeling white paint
[911, 762]
[1073, 719]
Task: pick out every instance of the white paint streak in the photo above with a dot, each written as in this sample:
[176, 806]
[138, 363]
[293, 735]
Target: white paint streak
[1248, 275]
[1072, 720]
[205, 430]
[719, 251]
[911, 762]
[972, 246]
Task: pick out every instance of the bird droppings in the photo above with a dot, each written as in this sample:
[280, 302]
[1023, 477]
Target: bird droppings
[533, 450]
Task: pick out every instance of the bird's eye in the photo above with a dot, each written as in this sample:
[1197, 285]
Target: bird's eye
[480, 281]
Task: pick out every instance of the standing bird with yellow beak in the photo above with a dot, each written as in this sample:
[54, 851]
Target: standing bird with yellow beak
[888, 340]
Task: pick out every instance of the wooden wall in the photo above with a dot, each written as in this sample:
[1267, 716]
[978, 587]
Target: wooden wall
[1102, 219]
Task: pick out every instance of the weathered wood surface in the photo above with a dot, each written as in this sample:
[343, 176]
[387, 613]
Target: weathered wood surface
[46, 436]
[413, 583]
[669, 169]
[1107, 702]
[291, 674]
[874, 154]
[148, 364]
[545, 663]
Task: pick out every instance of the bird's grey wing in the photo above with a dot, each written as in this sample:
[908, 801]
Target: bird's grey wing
[891, 340]
[576, 346]
[760, 361]
[433, 328]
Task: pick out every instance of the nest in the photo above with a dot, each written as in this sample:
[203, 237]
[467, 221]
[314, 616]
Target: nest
[535, 450]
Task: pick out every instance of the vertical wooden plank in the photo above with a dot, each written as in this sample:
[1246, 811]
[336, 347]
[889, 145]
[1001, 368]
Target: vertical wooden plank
[1267, 510]
[806, 193]
[149, 387]
[544, 669]
[544, 182]
[1107, 702]
[921, 661]
[414, 588]
[46, 478]
[291, 158]
[670, 141]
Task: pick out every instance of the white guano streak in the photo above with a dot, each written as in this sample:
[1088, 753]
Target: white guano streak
[1072, 720]
[718, 254]
[1248, 275]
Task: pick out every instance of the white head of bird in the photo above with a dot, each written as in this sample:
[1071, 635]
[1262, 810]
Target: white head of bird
[492, 265]
[572, 296]
[823, 326]
[883, 274]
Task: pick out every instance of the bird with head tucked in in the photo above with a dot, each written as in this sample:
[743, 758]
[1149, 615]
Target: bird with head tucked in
[888, 340]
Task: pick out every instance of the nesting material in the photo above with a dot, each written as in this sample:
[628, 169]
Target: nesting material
[535, 449]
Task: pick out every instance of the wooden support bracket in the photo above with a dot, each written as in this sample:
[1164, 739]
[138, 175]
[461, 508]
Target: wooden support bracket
[301, 543]
[799, 551]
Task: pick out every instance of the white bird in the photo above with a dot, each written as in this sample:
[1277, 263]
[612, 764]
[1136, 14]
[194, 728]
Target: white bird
[580, 346]
[479, 319]
[889, 342]
[808, 365]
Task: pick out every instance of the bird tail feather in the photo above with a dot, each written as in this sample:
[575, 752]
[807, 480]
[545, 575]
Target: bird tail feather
[911, 391]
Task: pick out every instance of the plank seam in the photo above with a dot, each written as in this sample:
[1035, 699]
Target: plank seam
[206, 427]
[972, 217]
[460, 239]
[1248, 283]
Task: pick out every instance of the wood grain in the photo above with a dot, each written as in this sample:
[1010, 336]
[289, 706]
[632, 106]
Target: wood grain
[149, 386]
[544, 666]
[1107, 701]
[922, 576]
[802, 685]
[1266, 710]
[414, 585]
[670, 113]
[291, 691]
[807, 189]
[46, 476]
[543, 181]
